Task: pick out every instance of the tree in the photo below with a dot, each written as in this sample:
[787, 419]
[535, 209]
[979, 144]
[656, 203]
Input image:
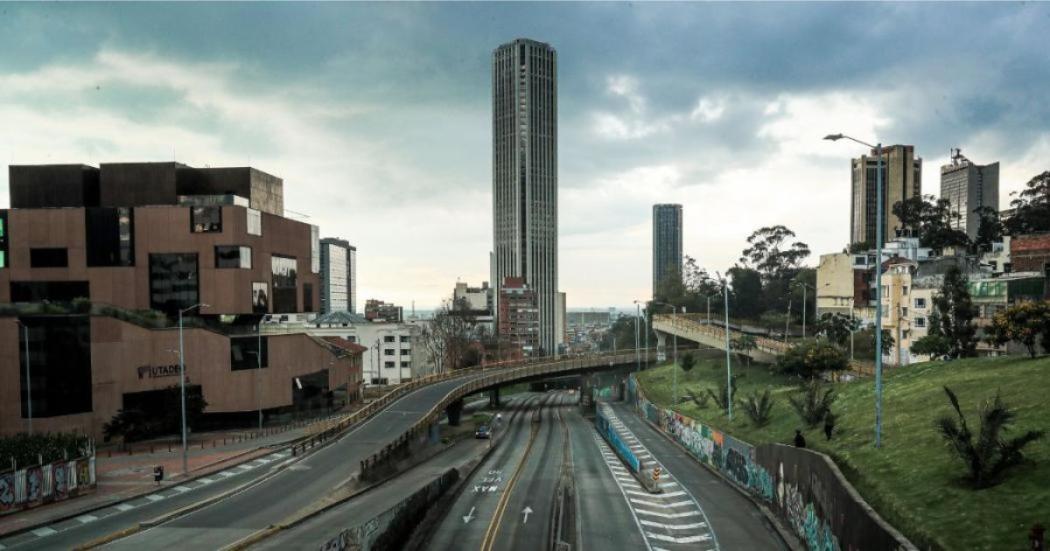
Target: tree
[746, 295]
[813, 403]
[988, 455]
[910, 213]
[700, 398]
[1031, 207]
[989, 229]
[744, 344]
[836, 327]
[810, 358]
[935, 344]
[758, 407]
[956, 312]
[724, 396]
[1022, 323]
[687, 362]
[449, 336]
[768, 252]
[931, 220]
[622, 333]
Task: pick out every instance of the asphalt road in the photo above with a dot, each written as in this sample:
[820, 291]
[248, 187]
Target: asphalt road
[734, 519]
[292, 489]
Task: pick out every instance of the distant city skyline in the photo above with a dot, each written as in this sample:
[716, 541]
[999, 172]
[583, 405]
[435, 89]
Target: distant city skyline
[378, 116]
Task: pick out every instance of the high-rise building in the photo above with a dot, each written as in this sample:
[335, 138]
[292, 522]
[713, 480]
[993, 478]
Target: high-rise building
[525, 175]
[518, 316]
[969, 186]
[351, 254]
[379, 311]
[336, 275]
[901, 179]
[667, 243]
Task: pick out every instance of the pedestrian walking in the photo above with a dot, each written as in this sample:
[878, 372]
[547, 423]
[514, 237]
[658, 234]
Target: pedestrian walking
[800, 441]
[829, 424]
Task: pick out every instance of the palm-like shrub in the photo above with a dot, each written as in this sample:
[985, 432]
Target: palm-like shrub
[987, 454]
[813, 402]
[724, 396]
[758, 407]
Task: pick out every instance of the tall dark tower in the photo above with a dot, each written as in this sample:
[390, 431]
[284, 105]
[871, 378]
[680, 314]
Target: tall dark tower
[525, 174]
[667, 243]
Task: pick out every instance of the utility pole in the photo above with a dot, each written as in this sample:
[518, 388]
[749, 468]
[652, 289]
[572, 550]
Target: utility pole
[729, 367]
[29, 379]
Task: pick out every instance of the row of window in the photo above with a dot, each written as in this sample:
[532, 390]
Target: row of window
[392, 338]
[390, 365]
[391, 351]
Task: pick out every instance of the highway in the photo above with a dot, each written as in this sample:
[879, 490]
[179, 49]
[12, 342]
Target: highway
[291, 489]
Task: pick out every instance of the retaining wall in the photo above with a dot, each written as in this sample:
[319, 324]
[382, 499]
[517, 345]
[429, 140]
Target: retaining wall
[601, 420]
[41, 484]
[803, 488]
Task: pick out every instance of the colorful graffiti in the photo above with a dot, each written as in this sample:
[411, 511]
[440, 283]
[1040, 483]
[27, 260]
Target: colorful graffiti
[45, 483]
[622, 449]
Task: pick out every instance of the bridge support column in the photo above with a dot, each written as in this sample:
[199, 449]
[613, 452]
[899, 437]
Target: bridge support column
[494, 398]
[661, 346]
[454, 411]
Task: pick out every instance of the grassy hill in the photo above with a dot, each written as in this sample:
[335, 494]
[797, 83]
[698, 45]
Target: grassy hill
[912, 480]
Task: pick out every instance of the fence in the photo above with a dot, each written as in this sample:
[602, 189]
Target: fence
[24, 488]
[802, 487]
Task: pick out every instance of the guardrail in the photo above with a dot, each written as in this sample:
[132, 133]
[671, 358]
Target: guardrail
[372, 465]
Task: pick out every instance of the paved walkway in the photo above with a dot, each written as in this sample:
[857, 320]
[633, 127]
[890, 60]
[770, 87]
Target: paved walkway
[123, 476]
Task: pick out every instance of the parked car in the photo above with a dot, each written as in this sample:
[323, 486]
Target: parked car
[483, 432]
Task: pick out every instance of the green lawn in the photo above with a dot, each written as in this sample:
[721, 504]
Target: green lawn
[912, 480]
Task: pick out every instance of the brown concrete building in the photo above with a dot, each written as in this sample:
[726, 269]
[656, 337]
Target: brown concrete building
[901, 179]
[140, 242]
[518, 319]
[1031, 253]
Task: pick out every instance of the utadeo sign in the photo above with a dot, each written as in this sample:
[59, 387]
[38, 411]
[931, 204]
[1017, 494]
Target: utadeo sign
[155, 371]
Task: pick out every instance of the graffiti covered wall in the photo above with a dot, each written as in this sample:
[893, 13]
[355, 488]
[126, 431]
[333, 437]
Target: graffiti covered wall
[41, 484]
[802, 487]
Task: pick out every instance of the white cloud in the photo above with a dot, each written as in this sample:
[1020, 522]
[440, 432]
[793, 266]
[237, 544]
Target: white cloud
[797, 123]
[707, 110]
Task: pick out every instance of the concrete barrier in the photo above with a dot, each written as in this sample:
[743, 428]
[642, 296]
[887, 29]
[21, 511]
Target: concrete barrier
[803, 488]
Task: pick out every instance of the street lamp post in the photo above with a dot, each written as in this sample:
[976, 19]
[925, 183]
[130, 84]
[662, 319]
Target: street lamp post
[878, 279]
[637, 357]
[729, 367]
[29, 380]
[258, 372]
[182, 387]
[804, 286]
[674, 354]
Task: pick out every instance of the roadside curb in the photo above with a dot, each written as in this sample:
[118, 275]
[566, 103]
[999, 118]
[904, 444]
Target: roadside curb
[786, 535]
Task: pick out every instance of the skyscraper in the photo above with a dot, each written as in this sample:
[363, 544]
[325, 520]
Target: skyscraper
[901, 179]
[969, 186]
[525, 174]
[336, 275]
[667, 243]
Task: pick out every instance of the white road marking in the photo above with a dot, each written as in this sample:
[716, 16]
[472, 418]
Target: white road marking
[662, 505]
[673, 526]
[154, 497]
[205, 481]
[673, 539]
[668, 515]
[182, 489]
[123, 507]
[84, 519]
[44, 532]
[227, 474]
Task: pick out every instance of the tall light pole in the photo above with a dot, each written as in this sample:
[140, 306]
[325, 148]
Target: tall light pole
[878, 279]
[674, 352]
[258, 372]
[729, 367]
[29, 380]
[637, 358]
[804, 286]
[182, 387]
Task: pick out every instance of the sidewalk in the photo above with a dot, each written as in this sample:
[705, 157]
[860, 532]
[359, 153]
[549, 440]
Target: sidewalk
[122, 476]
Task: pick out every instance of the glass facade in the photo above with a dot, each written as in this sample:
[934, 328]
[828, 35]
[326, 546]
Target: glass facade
[206, 219]
[233, 256]
[54, 291]
[110, 236]
[245, 352]
[60, 365]
[56, 257]
[173, 281]
[254, 223]
[284, 271]
[3, 238]
[260, 297]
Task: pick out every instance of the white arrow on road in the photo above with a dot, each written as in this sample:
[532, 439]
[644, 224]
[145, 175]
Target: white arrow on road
[469, 517]
[526, 511]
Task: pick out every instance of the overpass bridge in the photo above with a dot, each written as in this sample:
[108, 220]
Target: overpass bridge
[695, 328]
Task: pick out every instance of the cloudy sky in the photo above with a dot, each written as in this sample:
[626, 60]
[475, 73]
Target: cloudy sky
[378, 116]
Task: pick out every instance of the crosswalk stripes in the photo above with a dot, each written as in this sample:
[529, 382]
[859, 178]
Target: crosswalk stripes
[673, 518]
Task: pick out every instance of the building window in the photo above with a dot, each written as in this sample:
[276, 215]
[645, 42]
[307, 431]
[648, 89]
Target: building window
[254, 223]
[389, 364]
[406, 338]
[206, 219]
[308, 297]
[388, 352]
[3, 238]
[284, 276]
[406, 364]
[920, 303]
[109, 233]
[904, 290]
[920, 322]
[233, 256]
[405, 352]
[388, 338]
[260, 297]
[57, 257]
[173, 281]
[248, 352]
[54, 291]
[60, 356]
